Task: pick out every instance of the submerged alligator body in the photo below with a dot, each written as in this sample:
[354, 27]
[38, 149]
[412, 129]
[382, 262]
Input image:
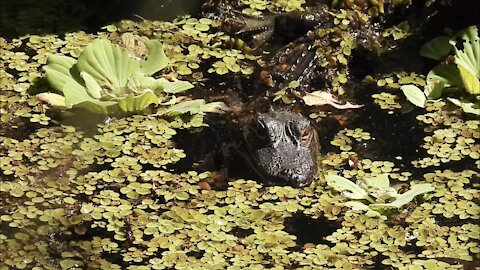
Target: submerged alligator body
[310, 48]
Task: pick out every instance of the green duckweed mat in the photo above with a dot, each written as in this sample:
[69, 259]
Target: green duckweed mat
[77, 198]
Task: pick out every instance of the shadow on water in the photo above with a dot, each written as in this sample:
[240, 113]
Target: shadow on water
[395, 136]
[61, 16]
[309, 230]
[218, 148]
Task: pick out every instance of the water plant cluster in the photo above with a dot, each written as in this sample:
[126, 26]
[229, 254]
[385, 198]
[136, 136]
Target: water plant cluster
[71, 199]
[462, 74]
[107, 80]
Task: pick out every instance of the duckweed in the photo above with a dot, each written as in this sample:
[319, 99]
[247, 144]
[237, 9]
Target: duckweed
[108, 198]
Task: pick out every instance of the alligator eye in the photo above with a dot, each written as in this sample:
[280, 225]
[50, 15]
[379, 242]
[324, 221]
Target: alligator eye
[293, 132]
[258, 136]
[260, 130]
[307, 135]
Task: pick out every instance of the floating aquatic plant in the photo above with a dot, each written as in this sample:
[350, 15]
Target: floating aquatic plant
[463, 73]
[70, 201]
[106, 79]
[374, 195]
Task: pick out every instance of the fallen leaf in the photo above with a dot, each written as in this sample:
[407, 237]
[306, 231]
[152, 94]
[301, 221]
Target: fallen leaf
[216, 107]
[320, 98]
[52, 99]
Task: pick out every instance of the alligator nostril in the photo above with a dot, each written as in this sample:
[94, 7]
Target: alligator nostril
[288, 172]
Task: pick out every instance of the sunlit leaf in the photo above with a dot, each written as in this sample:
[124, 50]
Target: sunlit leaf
[156, 60]
[467, 57]
[470, 81]
[133, 103]
[468, 107]
[106, 79]
[414, 95]
[92, 86]
[408, 196]
[320, 98]
[382, 208]
[176, 86]
[139, 82]
[108, 64]
[57, 70]
[190, 106]
[359, 206]
[379, 181]
[75, 93]
[350, 189]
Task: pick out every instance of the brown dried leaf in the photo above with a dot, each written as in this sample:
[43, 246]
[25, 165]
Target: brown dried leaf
[320, 98]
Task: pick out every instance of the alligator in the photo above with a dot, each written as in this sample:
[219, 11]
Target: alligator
[281, 145]
[277, 147]
[283, 148]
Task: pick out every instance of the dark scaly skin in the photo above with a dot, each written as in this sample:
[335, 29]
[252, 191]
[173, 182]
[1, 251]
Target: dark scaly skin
[283, 148]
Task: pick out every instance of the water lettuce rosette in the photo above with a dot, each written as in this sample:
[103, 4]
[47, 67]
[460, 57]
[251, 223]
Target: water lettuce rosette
[106, 79]
[448, 76]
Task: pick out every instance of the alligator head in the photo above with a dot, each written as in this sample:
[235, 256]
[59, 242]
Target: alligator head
[283, 148]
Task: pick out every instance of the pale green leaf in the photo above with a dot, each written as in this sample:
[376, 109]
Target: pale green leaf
[156, 60]
[190, 106]
[92, 86]
[414, 95]
[379, 181]
[75, 93]
[108, 64]
[469, 55]
[77, 96]
[57, 70]
[384, 193]
[176, 86]
[470, 81]
[448, 74]
[133, 103]
[408, 196]
[468, 107]
[382, 208]
[350, 189]
[359, 206]
[138, 83]
[356, 205]
[433, 90]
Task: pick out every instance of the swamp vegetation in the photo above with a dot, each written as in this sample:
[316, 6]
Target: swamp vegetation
[96, 111]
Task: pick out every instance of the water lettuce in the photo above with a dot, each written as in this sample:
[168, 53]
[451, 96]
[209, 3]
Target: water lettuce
[106, 79]
[462, 73]
[374, 195]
